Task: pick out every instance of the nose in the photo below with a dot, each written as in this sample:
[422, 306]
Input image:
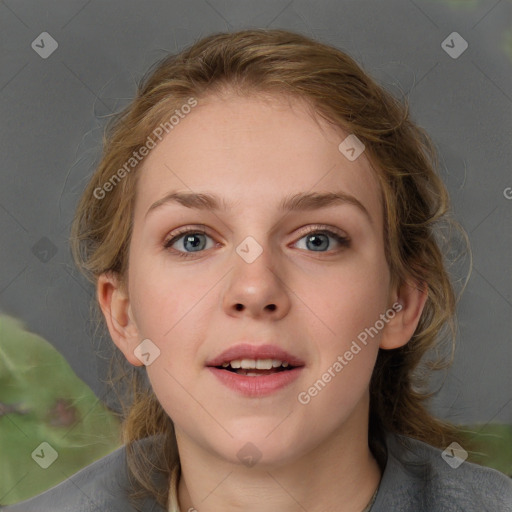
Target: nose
[257, 289]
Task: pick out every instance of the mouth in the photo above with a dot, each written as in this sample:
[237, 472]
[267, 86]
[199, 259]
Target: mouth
[256, 367]
[256, 370]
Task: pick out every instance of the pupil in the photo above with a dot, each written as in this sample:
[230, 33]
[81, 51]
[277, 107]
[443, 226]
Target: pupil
[318, 242]
[190, 239]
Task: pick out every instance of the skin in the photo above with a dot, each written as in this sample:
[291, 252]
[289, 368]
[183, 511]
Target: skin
[253, 151]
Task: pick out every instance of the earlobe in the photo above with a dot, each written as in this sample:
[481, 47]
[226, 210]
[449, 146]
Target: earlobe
[400, 329]
[115, 305]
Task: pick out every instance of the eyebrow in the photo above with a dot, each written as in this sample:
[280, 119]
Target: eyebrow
[303, 201]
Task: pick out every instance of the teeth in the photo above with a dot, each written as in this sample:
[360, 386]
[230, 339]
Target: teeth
[264, 364]
[253, 364]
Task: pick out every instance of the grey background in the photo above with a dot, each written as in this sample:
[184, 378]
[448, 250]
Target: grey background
[53, 112]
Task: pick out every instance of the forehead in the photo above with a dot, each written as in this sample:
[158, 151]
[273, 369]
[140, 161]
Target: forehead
[253, 151]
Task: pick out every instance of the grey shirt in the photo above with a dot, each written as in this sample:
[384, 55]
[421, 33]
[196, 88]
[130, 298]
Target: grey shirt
[416, 479]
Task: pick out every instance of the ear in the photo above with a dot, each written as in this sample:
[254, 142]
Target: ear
[115, 305]
[408, 306]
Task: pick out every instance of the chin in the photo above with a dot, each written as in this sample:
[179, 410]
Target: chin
[259, 451]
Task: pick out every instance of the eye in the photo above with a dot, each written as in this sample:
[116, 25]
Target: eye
[191, 239]
[318, 239]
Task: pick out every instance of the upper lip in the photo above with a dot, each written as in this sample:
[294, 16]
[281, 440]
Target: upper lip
[250, 351]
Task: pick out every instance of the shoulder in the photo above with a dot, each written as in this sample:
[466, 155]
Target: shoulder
[418, 477]
[103, 485]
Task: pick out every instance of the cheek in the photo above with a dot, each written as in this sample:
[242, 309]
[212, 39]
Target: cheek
[351, 297]
[347, 344]
[349, 304]
[167, 309]
[164, 295]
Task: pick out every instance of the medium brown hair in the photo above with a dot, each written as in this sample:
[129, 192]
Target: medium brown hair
[415, 203]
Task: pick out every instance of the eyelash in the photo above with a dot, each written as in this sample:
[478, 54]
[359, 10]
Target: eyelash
[343, 241]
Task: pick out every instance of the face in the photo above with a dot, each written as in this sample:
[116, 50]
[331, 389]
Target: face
[305, 281]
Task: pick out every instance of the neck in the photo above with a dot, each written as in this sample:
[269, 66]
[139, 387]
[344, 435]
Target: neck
[341, 474]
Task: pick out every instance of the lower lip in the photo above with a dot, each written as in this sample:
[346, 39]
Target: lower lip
[256, 386]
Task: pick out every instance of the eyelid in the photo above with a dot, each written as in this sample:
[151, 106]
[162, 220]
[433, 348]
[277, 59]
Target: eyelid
[183, 231]
[324, 228]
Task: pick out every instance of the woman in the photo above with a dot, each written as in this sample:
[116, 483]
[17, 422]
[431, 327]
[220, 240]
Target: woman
[261, 232]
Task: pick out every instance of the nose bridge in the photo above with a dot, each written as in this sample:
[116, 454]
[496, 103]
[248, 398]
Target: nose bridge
[253, 257]
[253, 234]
